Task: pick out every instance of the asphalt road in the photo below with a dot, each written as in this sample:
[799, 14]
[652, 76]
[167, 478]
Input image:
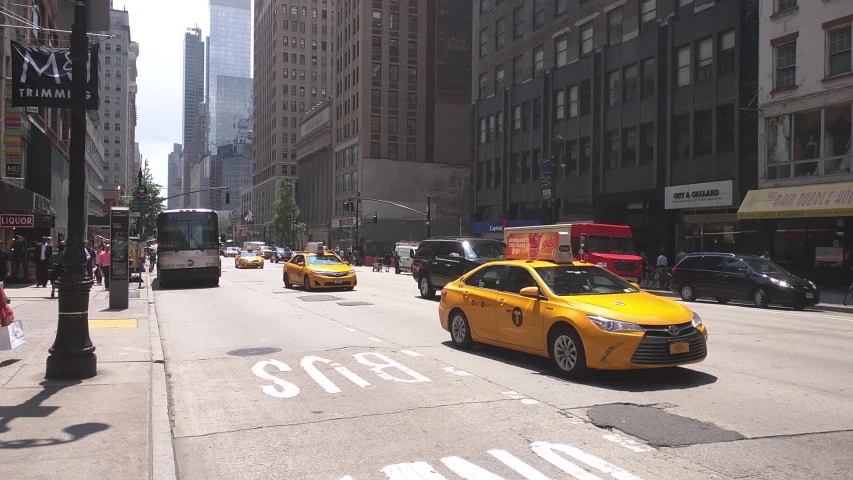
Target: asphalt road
[268, 383]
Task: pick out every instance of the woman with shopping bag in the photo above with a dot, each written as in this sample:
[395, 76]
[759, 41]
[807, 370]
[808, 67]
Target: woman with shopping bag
[11, 332]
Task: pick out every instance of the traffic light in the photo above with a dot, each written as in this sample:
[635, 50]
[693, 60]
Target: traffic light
[375, 218]
[227, 197]
[222, 237]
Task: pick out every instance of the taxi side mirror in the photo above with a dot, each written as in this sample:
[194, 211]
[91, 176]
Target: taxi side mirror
[635, 285]
[532, 292]
[346, 263]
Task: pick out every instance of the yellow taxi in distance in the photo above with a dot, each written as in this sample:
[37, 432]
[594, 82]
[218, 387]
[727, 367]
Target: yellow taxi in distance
[317, 268]
[249, 259]
[579, 315]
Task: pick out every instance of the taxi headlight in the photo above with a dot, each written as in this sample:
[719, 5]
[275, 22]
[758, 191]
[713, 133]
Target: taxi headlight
[697, 320]
[608, 325]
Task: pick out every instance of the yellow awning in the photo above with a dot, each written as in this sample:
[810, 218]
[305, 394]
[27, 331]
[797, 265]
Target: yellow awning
[804, 201]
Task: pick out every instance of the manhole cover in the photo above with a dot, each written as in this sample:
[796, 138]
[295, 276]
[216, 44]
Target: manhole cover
[319, 298]
[133, 294]
[253, 352]
[353, 304]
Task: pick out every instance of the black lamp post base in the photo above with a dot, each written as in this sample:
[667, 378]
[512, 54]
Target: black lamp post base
[71, 367]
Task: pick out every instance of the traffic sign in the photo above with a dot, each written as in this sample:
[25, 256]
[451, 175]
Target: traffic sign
[141, 191]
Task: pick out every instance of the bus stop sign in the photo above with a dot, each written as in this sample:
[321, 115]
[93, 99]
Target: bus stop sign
[141, 191]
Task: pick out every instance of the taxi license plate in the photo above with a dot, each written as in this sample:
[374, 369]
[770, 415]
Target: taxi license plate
[810, 295]
[681, 347]
[339, 280]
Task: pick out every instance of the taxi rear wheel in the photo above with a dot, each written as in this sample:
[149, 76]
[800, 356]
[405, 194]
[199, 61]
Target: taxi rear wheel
[567, 353]
[460, 330]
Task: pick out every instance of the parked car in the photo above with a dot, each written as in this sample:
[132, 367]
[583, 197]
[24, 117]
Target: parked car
[439, 261]
[726, 276]
[282, 255]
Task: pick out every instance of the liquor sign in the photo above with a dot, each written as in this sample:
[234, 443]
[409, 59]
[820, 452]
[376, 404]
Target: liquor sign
[546, 176]
[41, 76]
[9, 220]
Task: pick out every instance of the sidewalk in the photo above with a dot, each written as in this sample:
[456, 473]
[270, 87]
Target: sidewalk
[89, 429]
[831, 301]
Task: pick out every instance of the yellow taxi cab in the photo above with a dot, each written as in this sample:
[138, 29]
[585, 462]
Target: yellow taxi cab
[317, 268]
[249, 259]
[579, 315]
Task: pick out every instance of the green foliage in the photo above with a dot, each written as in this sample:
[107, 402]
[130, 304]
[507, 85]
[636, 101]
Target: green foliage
[283, 227]
[152, 205]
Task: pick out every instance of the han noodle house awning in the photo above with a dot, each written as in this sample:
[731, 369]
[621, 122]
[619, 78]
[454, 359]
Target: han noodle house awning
[804, 201]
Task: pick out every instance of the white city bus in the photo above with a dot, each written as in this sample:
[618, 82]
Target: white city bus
[188, 247]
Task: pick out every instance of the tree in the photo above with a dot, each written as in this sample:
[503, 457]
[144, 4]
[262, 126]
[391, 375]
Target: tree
[283, 226]
[225, 225]
[152, 205]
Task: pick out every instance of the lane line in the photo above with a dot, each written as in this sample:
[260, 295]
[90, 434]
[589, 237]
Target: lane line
[747, 309]
[628, 443]
[411, 353]
[375, 339]
[520, 467]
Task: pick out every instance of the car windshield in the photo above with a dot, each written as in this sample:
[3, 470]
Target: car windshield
[324, 260]
[488, 249]
[570, 280]
[249, 254]
[760, 265]
[605, 244]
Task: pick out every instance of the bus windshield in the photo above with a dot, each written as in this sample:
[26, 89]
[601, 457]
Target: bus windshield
[187, 234]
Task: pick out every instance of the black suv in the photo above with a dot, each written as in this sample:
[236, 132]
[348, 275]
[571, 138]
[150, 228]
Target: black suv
[439, 261]
[727, 276]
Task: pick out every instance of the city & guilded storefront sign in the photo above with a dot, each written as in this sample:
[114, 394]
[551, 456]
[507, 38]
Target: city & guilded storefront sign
[699, 195]
[10, 220]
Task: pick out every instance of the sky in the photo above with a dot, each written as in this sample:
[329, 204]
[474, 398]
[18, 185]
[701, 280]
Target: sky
[159, 26]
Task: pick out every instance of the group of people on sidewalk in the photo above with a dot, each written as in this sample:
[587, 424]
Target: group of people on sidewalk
[50, 264]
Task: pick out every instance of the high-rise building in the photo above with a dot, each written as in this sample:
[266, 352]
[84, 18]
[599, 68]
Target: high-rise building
[176, 175]
[299, 33]
[118, 95]
[232, 169]
[229, 71]
[194, 152]
[193, 86]
[131, 146]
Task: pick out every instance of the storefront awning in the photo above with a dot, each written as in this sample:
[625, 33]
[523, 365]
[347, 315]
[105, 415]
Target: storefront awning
[804, 201]
[15, 199]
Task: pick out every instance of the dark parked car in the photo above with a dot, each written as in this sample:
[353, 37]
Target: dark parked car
[282, 255]
[727, 276]
[439, 261]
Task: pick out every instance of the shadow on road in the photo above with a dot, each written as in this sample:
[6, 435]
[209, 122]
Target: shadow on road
[155, 285]
[671, 378]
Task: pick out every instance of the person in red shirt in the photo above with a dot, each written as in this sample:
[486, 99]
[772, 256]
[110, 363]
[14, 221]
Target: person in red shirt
[105, 266]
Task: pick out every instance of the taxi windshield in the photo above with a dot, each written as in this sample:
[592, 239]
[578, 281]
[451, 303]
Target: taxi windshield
[323, 260]
[249, 254]
[566, 280]
[484, 249]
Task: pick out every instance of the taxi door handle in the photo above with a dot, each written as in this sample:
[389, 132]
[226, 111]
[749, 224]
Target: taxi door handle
[501, 301]
[464, 293]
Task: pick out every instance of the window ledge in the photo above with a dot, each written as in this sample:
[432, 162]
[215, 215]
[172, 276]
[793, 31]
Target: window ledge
[789, 11]
[838, 76]
[779, 90]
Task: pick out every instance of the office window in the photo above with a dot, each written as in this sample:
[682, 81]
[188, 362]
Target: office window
[376, 46]
[786, 65]
[116, 179]
[649, 74]
[413, 28]
[517, 69]
[393, 99]
[393, 47]
[586, 39]
[614, 26]
[516, 119]
[727, 53]
[412, 75]
[647, 143]
[411, 153]
[537, 113]
[375, 124]
[705, 63]
[116, 126]
[725, 128]
[525, 117]
[682, 58]
[377, 19]
[485, 5]
[484, 42]
[392, 125]
[499, 77]
[681, 137]
[538, 14]
[630, 83]
[116, 139]
[116, 152]
[411, 127]
[413, 49]
[586, 97]
[514, 169]
[561, 48]
[491, 133]
[629, 154]
[412, 101]
[840, 48]
[648, 11]
[559, 105]
[614, 88]
[393, 73]
[376, 98]
[525, 167]
[573, 101]
[518, 22]
[374, 149]
[484, 81]
[785, 5]
[394, 21]
[500, 33]
[392, 153]
[702, 130]
[376, 72]
[612, 149]
[107, 99]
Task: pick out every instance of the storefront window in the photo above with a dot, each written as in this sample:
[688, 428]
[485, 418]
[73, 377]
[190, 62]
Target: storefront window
[836, 139]
[813, 248]
[797, 143]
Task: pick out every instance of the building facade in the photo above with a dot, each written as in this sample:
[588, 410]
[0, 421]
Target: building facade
[805, 127]
[176, 174]
[94, 169]
[636, 113]
[193, 85]
[315, 164]
[233, 169]
[293, 71]
[228, 58]
[194, 152]
[401, 110]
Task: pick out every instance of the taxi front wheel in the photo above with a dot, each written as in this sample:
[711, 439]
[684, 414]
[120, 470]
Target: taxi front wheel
[566, 351]
[460, 331]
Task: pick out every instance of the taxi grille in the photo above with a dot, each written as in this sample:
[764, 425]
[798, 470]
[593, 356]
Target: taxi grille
[333, 284]
[624, 266]
[654, 347]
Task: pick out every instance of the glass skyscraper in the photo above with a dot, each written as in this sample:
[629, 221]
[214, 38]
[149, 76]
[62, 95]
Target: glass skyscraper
[229, 55]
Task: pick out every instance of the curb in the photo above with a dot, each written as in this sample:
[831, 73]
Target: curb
[822, 307]
[162, 453]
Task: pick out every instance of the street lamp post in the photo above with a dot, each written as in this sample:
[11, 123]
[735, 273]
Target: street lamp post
[72, 355]
[559, 165]
[429, 216]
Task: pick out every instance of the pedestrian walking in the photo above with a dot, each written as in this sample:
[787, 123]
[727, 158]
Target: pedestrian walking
[662, 264]
[680, 256]
[396, 262]
[44, 251]
[57, 267]
[99, 274]
[105, 266]
[90, 259]
[152, 259]
[5, 263]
